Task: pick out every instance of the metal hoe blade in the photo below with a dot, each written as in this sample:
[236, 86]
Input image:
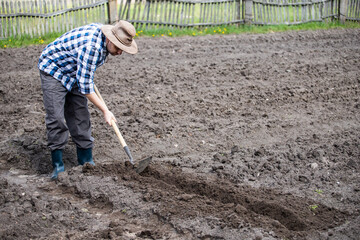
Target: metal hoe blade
[143, 164]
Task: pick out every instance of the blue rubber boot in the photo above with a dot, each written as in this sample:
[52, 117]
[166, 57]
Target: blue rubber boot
[84, 156]
[57, 163]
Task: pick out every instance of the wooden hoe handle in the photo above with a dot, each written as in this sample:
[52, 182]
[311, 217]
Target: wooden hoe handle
[115, 127]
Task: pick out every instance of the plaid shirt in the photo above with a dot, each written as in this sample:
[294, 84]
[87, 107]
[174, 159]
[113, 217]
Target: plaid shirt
[74, 57]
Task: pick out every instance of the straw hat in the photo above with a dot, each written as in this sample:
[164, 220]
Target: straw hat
[122, 35]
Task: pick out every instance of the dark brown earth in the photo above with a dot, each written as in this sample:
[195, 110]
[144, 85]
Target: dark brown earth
[252, 137]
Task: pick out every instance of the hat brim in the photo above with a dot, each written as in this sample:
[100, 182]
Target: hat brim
[106, 29]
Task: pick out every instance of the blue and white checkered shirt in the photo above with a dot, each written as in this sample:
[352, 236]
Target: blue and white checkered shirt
[74, 57]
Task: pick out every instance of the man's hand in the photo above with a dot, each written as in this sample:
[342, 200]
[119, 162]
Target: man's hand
[109, 116]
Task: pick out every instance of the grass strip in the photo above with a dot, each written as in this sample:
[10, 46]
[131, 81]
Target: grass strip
[199, 31]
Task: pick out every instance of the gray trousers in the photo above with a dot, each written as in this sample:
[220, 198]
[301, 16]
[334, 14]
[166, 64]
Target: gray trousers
[65, 112]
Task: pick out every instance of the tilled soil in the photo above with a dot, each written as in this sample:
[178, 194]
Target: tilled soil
[251, 137]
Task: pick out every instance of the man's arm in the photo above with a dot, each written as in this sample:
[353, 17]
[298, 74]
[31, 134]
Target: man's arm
[86, 66]
[99, 104]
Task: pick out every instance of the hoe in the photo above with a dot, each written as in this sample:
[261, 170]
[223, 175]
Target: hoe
[142, 165]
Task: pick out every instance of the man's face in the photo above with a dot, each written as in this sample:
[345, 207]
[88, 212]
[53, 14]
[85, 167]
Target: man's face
[113, 50]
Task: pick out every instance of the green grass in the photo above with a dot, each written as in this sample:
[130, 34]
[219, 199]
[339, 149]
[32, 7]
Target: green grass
[177, 32]
[27, 40]
[233, 29]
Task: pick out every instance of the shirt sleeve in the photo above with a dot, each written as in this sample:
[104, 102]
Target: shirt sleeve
[86, 66]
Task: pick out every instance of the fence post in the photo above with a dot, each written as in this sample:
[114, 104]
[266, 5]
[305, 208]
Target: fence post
[112, 11]
[343, 10]
[248, 11]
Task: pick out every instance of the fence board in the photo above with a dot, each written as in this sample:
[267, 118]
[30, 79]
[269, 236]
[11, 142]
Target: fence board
[86, 12]
[32, 20]
[67, 17]
[9, 22]
[78, 14]
[11, 8]
[62, 17]
[17, 20]
[27, 18]
[2, 20]
[5, 19]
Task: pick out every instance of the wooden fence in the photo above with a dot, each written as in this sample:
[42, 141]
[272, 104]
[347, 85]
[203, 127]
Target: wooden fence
[273, 12]
[38, 17]
[182, 13]
[353, 10]
[190, 13]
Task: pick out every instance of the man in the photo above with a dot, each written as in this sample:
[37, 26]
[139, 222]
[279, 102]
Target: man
[67, 68]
